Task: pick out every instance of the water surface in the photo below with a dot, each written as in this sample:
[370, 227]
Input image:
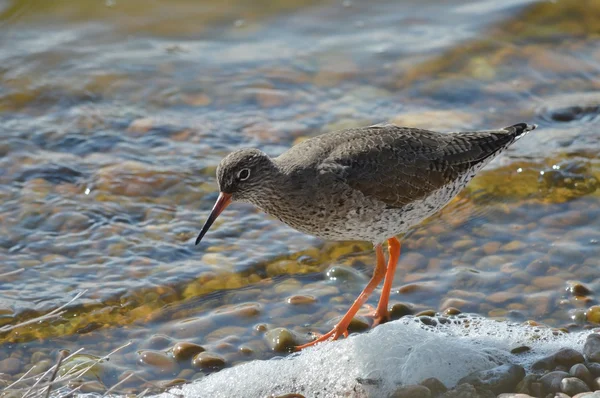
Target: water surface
[114, 115]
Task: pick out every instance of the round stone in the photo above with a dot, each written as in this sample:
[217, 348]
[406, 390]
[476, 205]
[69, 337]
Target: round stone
[591, 348]
[184, 350]
[581, 372]
[208, 360]
[157, 359]
[573, 385]
[281, 340]
[301, 300]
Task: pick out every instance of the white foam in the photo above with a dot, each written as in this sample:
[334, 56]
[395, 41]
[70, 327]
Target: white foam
[400, 352]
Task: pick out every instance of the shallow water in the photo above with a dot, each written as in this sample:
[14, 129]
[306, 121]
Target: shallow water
[114, 116]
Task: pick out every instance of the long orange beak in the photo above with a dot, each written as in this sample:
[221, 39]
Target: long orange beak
[220, 205]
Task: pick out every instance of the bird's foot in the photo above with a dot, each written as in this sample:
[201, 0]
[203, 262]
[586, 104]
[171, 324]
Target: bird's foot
[378, 315]
[333, 334]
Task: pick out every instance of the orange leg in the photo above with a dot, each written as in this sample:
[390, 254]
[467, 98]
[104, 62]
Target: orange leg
[341, 328]
[381, 314]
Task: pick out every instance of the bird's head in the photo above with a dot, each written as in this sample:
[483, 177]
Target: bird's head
[242, 176]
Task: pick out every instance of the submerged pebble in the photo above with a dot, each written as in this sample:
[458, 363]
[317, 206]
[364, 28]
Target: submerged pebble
[208, 360]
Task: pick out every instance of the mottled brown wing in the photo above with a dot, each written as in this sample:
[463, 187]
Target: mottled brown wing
[398, 165]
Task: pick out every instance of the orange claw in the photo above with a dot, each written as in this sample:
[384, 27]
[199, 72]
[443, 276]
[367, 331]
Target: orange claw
[341, 329]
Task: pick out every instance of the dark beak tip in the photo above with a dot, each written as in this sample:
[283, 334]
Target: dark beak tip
[219, 206]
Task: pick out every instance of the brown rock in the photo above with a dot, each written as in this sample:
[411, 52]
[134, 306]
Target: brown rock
[501, 379]
[399, 310]
[566, 357]
[490, 248]
[548, 282]
[157, 359]
[580, 371]
[501, 297]
[301, 300]
[467, 391]
[551, 382]
[578, 289]
[10, 366]
[184, 350]
[572, 386]
[281, 340]
[515, 245]
[142, 125]
[455, 303]
[435, 386]
[593, 314]
[208, 360]
[269, 98]
[591, 348]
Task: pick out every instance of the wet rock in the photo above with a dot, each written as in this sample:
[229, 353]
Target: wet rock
[453, 302]
[358, 324]
[413, 391]
[594, 369]
[399, 310]
[10, 366]
[344, 274]
[435, 386]
[502, 297]
[158, 342]
[427, 320]
[452, 311]
[520, 349]
[580, 371]
[141, 125]
[547, 282]
[426, 313]
[515, 245]
[92, 387]
[184, 350]
[42, 366]
[171, 383]
[551, 382]
[525, 386]
[591, 348]
[500, 379]
[568, 357]
[281, 340]
[158, 360]
[467, 391]
[463, 244]
[578, 289]
[490, 248]
[573, 385]
[301, 300]
[514, 395]
[208, 360]
[565, 357]
[593, 314]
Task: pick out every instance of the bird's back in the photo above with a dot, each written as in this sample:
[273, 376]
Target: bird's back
[378, 181]
[398, 164]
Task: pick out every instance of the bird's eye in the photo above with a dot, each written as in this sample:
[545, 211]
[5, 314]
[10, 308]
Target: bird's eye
[243, 174]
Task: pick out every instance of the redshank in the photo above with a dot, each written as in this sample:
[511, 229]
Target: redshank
[366, 184]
